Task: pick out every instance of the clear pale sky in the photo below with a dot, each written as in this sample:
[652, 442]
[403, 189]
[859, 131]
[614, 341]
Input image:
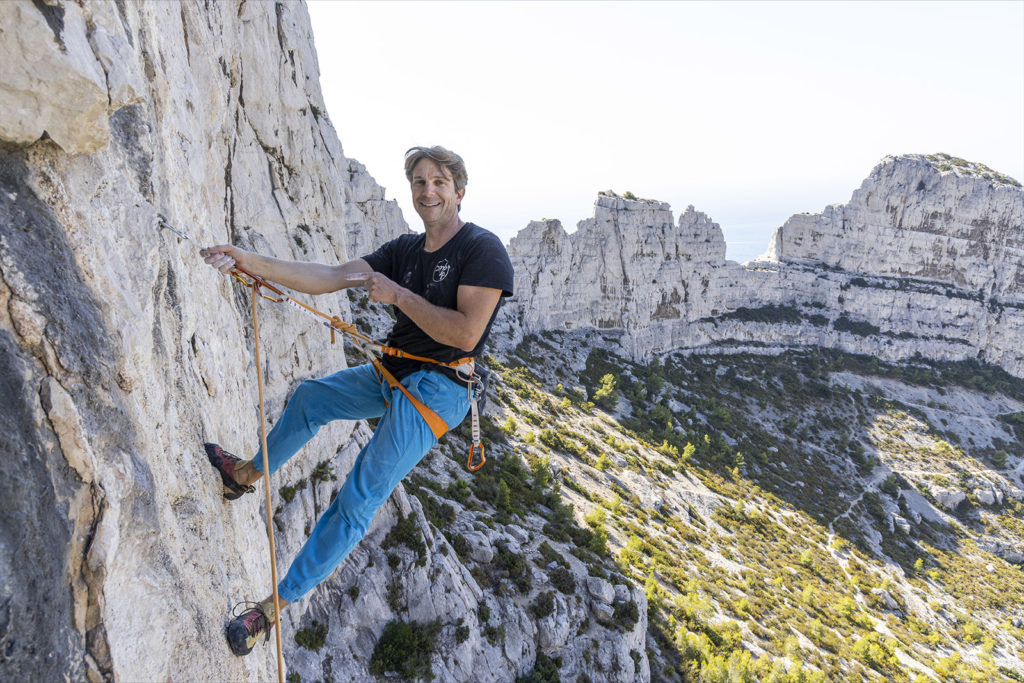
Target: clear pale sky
[751, 112]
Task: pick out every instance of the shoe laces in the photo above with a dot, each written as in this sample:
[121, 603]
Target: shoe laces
[257, 622]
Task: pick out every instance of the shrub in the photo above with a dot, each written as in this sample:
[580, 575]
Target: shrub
[405, 648]
[605, 395]
[288, 492]
[626, 613]
[461, 546]
[543, 605]
[515, 566]
[407, 533]
[503, 499]
[312, 638]
[563, 580]
[545, 670]
[458, 491]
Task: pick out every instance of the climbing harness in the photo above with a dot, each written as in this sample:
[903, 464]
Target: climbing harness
[465, 368]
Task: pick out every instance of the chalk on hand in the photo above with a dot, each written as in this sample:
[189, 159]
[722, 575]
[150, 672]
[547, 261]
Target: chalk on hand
[353, 277]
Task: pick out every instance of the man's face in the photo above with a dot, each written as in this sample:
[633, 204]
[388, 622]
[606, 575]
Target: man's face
[433, 193]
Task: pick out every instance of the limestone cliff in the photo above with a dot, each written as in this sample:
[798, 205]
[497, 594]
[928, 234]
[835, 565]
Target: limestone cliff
[121, 353]
[926, 258]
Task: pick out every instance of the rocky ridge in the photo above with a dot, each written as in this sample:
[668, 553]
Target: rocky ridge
[927, 258]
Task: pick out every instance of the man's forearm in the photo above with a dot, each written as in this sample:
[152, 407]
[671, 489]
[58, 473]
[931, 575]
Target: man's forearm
[311, 278]
[446, 326]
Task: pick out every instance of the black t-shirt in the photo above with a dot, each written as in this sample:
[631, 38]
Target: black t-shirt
[473, 257]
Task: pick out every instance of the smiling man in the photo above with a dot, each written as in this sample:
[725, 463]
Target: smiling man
[445, 285]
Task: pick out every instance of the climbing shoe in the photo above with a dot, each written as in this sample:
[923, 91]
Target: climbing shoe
[225, 463]
[245, 629]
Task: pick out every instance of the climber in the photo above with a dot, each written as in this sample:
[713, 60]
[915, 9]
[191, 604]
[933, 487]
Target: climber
[445, 286]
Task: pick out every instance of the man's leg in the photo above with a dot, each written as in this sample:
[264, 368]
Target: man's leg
[401, 439]
[350, 394]
[353, 393]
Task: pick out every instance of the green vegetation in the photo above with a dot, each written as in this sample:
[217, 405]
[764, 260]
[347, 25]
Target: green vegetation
[545, 670]
[407, 533]
[543, 605]
[811, 472]
[312, 638]
[405, 648]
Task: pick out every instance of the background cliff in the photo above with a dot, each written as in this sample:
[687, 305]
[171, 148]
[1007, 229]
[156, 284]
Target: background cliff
[925, 259]
[803, 468]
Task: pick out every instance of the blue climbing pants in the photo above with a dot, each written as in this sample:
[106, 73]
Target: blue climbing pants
[400, 440]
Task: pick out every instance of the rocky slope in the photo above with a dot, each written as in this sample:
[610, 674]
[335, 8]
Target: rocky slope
[926, 258]
[808, 516]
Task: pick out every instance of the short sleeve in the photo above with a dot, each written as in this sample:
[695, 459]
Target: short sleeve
[383, 258]
[487, 264]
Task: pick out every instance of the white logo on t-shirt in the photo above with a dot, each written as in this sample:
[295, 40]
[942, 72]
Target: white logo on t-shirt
[441, 270]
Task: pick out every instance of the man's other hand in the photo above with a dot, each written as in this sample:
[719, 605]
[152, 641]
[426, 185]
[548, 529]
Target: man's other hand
[382, 289]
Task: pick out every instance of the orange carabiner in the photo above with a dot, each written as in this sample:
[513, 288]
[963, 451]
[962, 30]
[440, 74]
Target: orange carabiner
[469, 463]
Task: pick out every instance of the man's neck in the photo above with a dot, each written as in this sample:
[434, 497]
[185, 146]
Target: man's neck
[438, 235]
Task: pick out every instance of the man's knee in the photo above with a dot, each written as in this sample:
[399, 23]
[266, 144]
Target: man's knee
[308, 398]
[357, 512]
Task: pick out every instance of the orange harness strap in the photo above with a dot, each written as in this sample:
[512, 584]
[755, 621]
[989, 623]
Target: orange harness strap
[434, 421]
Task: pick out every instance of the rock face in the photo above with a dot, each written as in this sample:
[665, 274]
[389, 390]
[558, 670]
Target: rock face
[121, 353]
[926, 258]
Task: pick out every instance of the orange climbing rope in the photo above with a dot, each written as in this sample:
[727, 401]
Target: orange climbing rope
[266, 482]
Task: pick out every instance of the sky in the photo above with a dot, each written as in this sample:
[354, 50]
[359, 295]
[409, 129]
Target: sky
[751, 112]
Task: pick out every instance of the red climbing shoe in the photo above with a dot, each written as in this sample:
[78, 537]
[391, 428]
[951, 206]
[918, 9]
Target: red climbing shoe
[225, 463]
[245, 629]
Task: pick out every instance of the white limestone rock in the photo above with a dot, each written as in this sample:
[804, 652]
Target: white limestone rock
[481, 549]
[603, 612]
[989, 495]
[1001, 547]
[925, 259]
[600, 590]
[948, 498]
[130, 352]
[886, 598]
[51, 82]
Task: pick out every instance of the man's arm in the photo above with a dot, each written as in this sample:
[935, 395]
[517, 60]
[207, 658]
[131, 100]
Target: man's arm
[460, 327]
[311, 278]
